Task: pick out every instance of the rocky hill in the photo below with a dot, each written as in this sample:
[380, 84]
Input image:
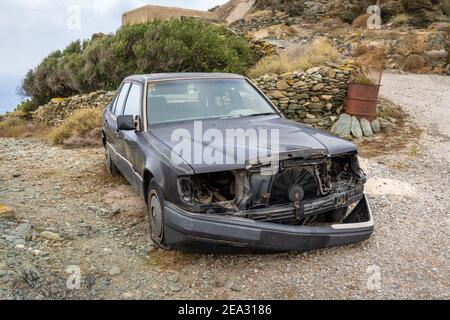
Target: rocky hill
[421, 12]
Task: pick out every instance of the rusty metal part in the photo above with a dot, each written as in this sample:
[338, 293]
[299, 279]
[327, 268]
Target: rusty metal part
[362, 100]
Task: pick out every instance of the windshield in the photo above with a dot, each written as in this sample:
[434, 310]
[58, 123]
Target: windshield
[196, 99]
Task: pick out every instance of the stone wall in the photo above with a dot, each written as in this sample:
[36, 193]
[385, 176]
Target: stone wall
[258, 23]
[316, 97]
[57, 110]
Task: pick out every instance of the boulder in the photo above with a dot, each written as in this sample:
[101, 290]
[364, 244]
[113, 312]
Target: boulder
[343, 126]
[51, 236]
[356, 128]
[366, 128]
[376, 126]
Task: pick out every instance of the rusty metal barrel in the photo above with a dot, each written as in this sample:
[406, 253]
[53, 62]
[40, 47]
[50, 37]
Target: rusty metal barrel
[362, 100]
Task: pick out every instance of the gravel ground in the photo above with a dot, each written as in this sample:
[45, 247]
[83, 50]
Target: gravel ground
[68, 193]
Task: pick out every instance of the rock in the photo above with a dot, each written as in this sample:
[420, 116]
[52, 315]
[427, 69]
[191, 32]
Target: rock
[51, 236]
[385, 124]
[22, 230]
[114, 271]
[366, 128]
[376, 126]
[282, 85]
[173, 276]
[317, 87]
[30, 272]
[6, 212]
[276, 94]
[343, 126]
[19, 242]
[235, 288]
[19, 247]
[174, 287]
[356, 128]
[313, 70]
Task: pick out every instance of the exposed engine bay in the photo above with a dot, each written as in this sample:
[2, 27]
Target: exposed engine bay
[302, 191]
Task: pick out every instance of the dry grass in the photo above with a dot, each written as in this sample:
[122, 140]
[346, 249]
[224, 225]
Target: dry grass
[79, 130]
[401, 19]
[174, 260]
[414, 63]
[16, 125]
[298, 58]
[370, 56]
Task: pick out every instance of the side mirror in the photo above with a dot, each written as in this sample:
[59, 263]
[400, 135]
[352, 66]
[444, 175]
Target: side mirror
[126, 123]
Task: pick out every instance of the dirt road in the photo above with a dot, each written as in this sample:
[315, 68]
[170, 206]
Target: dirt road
[103, 229]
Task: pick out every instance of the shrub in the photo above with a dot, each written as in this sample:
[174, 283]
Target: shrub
[12, 126]
[401, 19]
[414, 63]
[26, 108]
[298, 58]
[81, 129]
[158, 46]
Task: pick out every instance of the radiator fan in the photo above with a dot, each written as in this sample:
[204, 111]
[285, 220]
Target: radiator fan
[292, 184]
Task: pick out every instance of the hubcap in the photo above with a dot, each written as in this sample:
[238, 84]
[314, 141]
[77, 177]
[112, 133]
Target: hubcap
[156, 215]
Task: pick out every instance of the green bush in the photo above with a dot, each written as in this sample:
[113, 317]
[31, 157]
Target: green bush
[26, 107]
[160, 46]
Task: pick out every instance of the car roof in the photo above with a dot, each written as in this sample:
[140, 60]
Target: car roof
[183, 76]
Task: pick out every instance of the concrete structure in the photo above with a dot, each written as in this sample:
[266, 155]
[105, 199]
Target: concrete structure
[152, 12]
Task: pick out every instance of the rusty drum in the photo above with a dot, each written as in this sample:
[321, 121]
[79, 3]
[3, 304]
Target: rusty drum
[362, 100]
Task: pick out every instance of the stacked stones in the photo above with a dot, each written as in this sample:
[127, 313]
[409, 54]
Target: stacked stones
[262, 47]
[315, 97]
[57, 110]
[258, 23]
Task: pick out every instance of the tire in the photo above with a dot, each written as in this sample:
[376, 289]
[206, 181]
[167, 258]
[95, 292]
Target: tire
[110, 166]
[155, 208]
[336, 215]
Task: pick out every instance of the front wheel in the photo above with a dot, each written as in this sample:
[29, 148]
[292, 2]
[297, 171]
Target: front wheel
[110, 166]
[155, 204]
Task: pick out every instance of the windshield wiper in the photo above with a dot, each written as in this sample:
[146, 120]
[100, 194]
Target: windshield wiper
[249, 115]
[260, 114]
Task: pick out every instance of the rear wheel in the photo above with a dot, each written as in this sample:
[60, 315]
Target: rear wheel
[155, 204]
[110, 166]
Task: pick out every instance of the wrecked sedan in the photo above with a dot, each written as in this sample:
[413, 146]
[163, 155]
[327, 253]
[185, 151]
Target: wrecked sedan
[186, 143]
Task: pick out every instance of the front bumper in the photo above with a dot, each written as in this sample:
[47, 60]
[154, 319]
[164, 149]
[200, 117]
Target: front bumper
[188, 231]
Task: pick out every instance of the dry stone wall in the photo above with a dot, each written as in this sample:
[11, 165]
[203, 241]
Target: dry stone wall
[57, 110]
[316, 97]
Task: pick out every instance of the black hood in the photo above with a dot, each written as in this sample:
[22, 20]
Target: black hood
[295, 138]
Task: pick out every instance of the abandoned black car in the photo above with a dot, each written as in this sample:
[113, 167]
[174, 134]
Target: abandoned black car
[219, 166]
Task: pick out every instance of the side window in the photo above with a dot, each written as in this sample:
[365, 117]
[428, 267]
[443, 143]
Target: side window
[133, 104]
[118, 104]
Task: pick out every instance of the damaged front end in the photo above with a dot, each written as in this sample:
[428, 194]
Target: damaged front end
[311, 190]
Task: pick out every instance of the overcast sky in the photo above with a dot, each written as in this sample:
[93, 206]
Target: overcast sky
[31, 29]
